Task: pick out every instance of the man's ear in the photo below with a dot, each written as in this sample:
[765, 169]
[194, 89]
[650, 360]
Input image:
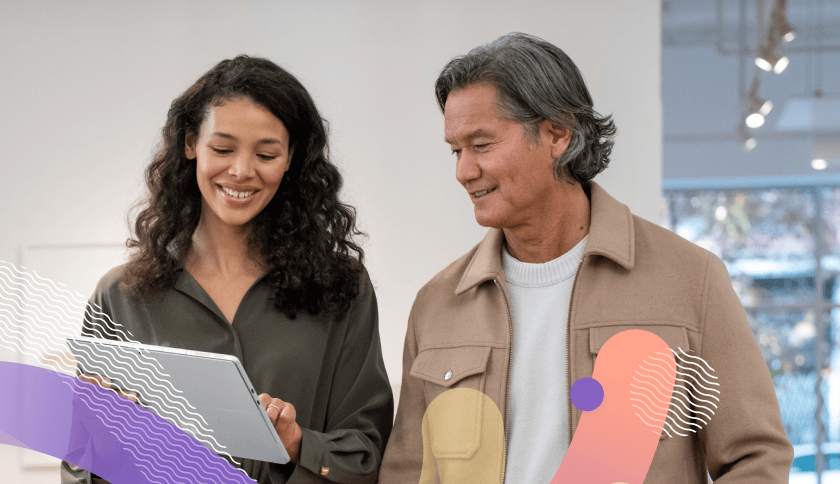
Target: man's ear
[559, 138]
[189, 145]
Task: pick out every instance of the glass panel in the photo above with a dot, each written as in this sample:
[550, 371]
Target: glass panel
[831, 241]
[831, 217]
[787, 341]
[763, 235]
[832, 376]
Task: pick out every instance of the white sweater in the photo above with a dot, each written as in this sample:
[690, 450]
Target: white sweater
[540, 295]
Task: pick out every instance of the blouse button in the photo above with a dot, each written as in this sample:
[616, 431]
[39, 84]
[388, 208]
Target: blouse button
[447, 375]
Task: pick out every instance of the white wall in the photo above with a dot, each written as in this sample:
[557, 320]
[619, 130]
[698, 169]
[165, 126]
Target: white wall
[86, 86]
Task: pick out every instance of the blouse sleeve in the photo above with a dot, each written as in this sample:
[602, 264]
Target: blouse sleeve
[361, 408]
[94, 325]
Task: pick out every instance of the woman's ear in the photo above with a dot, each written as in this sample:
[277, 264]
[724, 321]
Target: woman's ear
[189, 145]
[291, 154]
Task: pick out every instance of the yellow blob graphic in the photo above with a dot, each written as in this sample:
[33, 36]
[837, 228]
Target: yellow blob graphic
[463, 439]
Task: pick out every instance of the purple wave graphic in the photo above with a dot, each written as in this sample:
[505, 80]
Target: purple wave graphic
[64, 417]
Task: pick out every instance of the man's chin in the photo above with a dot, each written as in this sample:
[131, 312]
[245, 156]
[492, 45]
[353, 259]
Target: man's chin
[489, 221]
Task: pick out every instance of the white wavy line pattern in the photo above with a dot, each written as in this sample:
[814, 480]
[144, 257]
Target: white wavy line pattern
[681, 410]
[39, 330]
[157, 446]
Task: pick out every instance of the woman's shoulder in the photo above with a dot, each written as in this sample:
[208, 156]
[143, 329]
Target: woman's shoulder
[111, 278]
[365, 283]
[365, 294]
[108, 286]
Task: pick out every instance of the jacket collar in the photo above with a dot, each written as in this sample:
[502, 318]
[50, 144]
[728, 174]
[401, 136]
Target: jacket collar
[611, 235]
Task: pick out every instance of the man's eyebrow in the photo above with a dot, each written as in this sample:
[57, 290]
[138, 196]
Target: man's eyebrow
[471, 135]
[264, 141]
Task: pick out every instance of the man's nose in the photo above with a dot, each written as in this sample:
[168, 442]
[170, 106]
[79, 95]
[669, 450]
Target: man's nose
[466, 168]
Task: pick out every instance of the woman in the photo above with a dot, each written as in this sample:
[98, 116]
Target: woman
[243, 247]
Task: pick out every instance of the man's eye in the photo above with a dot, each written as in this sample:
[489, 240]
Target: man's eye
[456, 152]
[481, 147]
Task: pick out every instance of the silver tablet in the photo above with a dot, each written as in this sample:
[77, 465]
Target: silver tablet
[208, 395]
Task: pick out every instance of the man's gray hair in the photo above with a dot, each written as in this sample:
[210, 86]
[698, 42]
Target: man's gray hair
[537, 81]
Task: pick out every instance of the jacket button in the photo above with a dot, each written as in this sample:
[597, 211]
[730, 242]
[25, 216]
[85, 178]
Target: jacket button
[325, 471]
[447, 375]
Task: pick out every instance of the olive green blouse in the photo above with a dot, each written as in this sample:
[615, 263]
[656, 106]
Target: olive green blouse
[331, 370]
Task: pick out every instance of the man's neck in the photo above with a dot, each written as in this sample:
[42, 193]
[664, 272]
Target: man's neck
[556, 232]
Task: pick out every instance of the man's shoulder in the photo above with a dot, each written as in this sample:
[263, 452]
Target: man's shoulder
[668, 246]
[446, 281]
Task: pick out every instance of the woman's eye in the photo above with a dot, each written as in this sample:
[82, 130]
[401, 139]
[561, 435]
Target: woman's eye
[221, 151]
[266, 157]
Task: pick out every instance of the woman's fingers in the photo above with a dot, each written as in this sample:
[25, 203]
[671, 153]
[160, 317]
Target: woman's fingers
[105, 382]
[276, 409]
[283, 416]
[102, 381]
[128, 394]
[286, 414]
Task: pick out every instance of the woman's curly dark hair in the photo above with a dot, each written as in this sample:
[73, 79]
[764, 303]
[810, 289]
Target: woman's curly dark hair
[305, 235]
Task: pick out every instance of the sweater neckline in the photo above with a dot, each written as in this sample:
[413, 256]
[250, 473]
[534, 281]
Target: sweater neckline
[526, 274]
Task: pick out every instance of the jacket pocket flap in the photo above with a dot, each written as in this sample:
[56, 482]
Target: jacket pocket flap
[675, 336]
[448, 366]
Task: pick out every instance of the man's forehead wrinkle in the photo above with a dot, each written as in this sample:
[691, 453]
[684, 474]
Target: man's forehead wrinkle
[465, 132]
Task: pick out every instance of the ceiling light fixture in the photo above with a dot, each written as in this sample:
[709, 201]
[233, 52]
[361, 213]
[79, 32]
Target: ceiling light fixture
[780, 22]
[819, 164]
[754, 120]
[787, 31]
[757, 108]
[769, 59]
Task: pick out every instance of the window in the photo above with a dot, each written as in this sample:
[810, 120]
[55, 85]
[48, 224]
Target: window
[782, 250]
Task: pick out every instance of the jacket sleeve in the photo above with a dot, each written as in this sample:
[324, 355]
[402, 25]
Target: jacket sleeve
[361, 408]
[404, 456]
[745, 440]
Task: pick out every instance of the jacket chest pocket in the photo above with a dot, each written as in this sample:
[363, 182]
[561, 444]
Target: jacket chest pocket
[451, 367]
[463, 430]
[680, 420]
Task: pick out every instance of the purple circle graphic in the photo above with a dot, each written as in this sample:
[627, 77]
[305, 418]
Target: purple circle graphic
[587, 394]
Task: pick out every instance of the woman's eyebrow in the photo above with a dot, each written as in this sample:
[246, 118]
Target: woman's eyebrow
[263, 141]
[268, 141]
[223, 135]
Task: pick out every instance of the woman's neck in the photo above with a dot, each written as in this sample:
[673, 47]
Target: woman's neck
[221, 250]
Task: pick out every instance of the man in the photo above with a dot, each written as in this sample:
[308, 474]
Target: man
[563, 268]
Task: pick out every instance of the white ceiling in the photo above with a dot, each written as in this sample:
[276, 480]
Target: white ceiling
[702, 107]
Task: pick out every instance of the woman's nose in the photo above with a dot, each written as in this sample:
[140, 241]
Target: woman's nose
[242, 166]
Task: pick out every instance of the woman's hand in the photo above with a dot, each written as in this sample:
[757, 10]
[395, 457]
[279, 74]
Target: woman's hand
[282, 416]
[105, 382]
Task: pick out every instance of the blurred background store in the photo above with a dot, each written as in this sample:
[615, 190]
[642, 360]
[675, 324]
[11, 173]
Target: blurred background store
[751, 172]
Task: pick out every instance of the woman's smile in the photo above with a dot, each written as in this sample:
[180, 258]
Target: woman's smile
[237, 198]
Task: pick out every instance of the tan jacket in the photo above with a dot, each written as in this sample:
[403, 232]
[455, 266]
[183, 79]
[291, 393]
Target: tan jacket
[633, 274]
